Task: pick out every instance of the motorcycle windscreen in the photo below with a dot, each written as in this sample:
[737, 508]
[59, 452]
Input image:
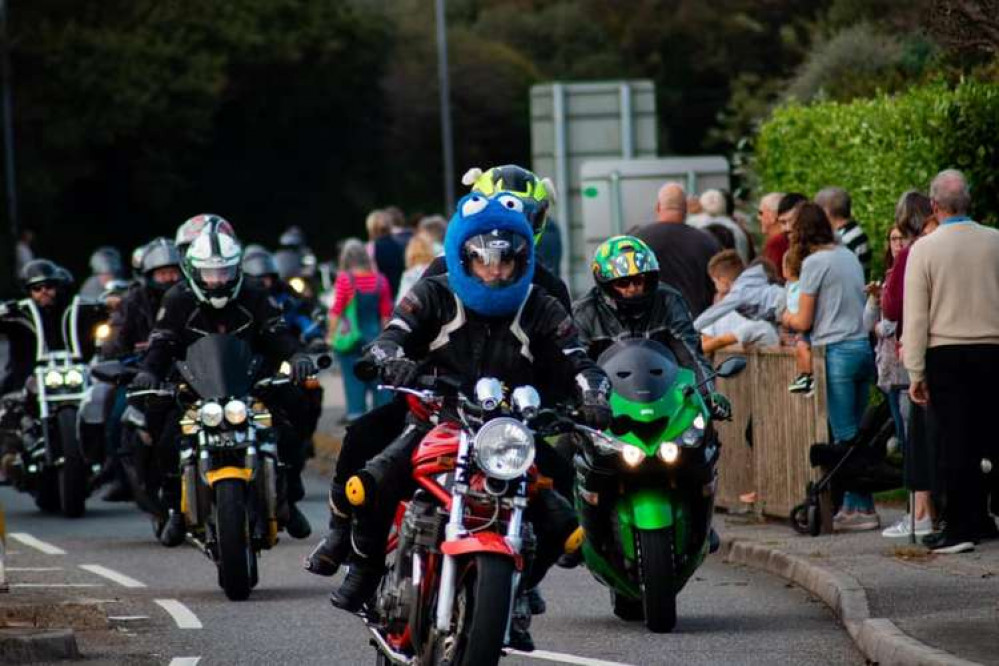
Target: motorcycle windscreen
[642, 372]
[219, 366]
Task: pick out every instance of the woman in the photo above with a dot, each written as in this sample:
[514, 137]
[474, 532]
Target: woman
[831, 309]
[419, 254]
[358, 281]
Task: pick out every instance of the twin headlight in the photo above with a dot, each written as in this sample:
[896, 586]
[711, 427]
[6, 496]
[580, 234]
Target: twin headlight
[504, 448]
[71, 378]
[668, 452]
[212, 413]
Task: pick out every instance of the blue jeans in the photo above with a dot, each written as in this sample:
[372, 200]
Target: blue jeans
[356, 391]
[849, 371]
[894, 398]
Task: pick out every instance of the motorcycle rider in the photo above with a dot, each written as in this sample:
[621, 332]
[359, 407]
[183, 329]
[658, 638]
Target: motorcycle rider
[373, 431]
[484, 318]
[105, 266]
[215, 299]
[261, 270]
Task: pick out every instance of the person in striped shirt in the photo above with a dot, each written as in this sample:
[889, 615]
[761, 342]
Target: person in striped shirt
[836, 203]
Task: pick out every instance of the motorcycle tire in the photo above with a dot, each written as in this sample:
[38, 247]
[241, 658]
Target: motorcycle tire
[232, 529]
[657, 575]
[629, 610]
[47, 493]
[74, 472]
[481, 609]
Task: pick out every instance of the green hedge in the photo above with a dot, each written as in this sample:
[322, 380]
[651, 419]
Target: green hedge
[879, 148]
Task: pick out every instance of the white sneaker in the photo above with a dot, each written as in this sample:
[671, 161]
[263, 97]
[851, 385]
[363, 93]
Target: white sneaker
[903, 528]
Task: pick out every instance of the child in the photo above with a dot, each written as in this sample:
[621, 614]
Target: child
[803, 383]
[737, 288]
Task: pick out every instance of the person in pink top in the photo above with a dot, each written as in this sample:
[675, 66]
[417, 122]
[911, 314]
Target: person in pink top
[358, 280]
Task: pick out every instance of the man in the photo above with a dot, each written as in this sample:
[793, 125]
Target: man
[950, 347]
[214, 299]
[682, 251]
[836, 203]
[775, 242]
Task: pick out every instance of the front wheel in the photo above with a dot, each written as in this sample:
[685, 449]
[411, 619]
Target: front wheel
[236, 559]
[480, 613]
[74, 470]
[656, 569]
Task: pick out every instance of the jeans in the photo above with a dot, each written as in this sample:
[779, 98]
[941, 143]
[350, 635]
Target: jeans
[356, 391]
[849, 371]
[895, 398]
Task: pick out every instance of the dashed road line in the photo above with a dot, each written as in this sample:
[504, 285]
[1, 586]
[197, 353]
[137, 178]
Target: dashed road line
[563, 658]
[185, 661]
[37, 544]
[181, 614]
[111, 574]
[57, 584]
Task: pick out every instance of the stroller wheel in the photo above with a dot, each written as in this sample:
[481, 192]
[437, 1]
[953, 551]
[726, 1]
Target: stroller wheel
[814, 519]
[799, 518]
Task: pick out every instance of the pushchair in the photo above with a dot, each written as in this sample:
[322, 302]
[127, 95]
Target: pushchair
[861, 467]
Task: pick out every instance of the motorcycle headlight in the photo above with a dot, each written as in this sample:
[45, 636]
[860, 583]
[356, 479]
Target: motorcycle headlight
[211, 414]
[669, 452]
[504, 448]
[632, 455]
[235, 412]
[53, 379]
[102, 332]
[73, 378]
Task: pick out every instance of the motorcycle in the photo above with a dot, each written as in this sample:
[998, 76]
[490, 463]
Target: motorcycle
[460, 543]
[231, 476]
[644, 489]
[53, 461]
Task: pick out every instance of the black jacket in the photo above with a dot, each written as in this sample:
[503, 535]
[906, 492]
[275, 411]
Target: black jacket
[431, 325]
[251, 316]
[132, 322]
[543, 278]
[666, 320]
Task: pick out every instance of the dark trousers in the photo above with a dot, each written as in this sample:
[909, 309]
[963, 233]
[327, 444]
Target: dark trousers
[961, 381]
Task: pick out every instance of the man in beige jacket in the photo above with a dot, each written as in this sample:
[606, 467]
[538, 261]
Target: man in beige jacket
[950, 347]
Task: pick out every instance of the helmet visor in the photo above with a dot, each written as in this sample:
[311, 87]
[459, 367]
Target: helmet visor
[218, 276]
[496, 259]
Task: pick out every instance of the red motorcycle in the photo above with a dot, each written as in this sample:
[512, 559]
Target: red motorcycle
[459, 544]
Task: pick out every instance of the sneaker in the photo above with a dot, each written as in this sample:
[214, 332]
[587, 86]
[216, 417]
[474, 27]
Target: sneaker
[857, 522]
[903, 528]
[951, 546]
[802, 384]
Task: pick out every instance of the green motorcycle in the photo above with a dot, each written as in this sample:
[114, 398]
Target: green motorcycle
[644, 489]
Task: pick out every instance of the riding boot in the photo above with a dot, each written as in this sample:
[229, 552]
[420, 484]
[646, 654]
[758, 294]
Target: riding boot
[333, 549]
[520, 625]
[359, 585]
[298, 526]
[174, 530]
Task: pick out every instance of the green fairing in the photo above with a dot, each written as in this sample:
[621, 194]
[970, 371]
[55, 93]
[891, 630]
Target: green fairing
[649, 508]
[680, 412]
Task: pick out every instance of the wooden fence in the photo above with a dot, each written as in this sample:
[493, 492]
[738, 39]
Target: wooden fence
[784, 426]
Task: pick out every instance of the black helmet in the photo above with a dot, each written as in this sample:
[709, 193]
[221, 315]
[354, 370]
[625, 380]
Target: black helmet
[42, 271]
[292, 237]
[258, 262]
[65, 276]
[105, 259]
[495, 247]
[214, 267]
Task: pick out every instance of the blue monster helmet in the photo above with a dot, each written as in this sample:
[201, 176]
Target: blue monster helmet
[484, 228]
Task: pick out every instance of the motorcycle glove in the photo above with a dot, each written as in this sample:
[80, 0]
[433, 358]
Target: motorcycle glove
[144, 381]
[595, 410]
[720, 407]
[399, 371]
[302, 368]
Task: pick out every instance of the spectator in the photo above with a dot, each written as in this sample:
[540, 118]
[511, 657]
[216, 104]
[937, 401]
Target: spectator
[390, 248]
[951, 350]
[358, 279]
[419, 254]
[803, 383]
[774, 239]
[716, 212]
[835, 201]
[378, 225]
[433, 228]
[723, 235]
[748, 292]
[730, 327]
[914, 217]
[831, 308]
[694, 207]
[683, 252]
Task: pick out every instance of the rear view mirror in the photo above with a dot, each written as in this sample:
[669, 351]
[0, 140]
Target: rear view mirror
[731, 366]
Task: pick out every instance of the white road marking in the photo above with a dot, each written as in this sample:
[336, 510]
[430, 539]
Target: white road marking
[37, 544]
[181, 615]
[566, 658]
[33, 569]
[127, 618]
[57, 584]
[185, 661]
[111, 574]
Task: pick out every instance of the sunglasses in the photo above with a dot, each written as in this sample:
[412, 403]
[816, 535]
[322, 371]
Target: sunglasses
[36, 288]
[631, 281]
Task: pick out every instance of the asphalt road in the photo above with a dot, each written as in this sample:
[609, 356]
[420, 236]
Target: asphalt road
[728, 615]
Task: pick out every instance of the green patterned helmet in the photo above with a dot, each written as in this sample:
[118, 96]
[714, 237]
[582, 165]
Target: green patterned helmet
[537, 194]
[624, 257]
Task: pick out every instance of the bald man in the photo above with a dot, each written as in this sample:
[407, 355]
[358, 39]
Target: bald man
[683, 252]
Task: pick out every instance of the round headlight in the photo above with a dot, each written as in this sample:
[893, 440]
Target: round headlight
[235, 412]
[632, 455]
[102, 332]
[669, 452]
[53, 379]
[504, 448]
[211, 414]
[73, 378]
